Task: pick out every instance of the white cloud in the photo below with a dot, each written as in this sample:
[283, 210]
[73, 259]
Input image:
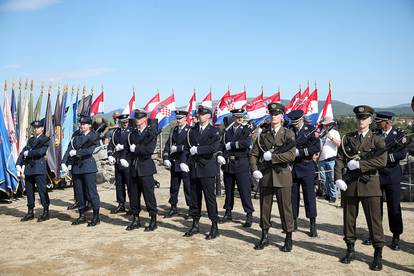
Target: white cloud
[11, 66]
[27, 5]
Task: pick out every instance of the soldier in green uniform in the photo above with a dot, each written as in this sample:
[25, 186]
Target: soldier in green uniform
[361, 155]
[270, 162]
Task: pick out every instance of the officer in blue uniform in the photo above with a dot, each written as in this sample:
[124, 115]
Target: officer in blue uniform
[172, 156]
[118, 155]
[142, 142]
[79, 155]
[236, 146]
[202, 144]
[32, 157]
[304, 169]
[390, 176]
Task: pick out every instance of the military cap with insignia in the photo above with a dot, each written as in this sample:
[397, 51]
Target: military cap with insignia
[295, 116]
[276, 108]
[85, 120]
[383, 116]
[123, 118]
[38, 123]
[238, 112]
[139, 113]
[179, 114]
[202, 110]
[363, 111]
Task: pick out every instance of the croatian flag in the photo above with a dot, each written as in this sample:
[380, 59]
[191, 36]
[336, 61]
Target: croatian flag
[153, 103]
[255, 100]
[97, 106]
[229, 103]
[311, 111]
[191, 108]
[130, 106]
[327, 107]
[208, 101]
[302, 103]
[219, 104]
[164, 112]
[292, 104]
[258, 112]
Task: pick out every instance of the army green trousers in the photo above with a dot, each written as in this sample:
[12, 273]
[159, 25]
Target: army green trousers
[372, 210]
[284, 203]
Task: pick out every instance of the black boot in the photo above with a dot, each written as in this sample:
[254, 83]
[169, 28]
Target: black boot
[173, 211]
[74, 206]
[120, 208]
[95, 218]
[313, 233]
[287, 247]
[214, 233]
[295, 225]
[81, 219]
[264, 240]
[395, 244]
[29, 215]
[135, 224]
[350, 254]
[45, 215]
[367, 242]
[249, 220]
[88, 206]
[195, 229]
[152, 225]
[376, 264]
[227, 217]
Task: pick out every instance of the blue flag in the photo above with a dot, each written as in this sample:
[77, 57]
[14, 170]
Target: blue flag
[68, 126]
[8, 173]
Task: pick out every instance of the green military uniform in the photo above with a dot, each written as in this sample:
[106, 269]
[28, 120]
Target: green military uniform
[363, 183]
[277, 172]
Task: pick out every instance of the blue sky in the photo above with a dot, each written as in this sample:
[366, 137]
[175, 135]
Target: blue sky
[364, 47]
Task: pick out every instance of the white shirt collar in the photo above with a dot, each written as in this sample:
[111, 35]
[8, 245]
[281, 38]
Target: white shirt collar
[276, 130]
[387, 132]
[363, 133]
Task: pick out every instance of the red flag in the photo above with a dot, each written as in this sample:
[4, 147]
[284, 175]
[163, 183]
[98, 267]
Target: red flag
[255, 100]
[130, 106]
[293, 102]
[208, 100]
[153, 103]
[303, 99]
[97, 106]
[327, 107]
[191, 109]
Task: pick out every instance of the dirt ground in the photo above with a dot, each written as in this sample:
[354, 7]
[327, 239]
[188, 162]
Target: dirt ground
[55, 247]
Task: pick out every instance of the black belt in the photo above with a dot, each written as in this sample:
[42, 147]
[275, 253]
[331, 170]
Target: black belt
[329, 159]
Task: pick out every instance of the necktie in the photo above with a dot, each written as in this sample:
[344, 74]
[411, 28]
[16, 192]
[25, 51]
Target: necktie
[360, 137]
[201, 130]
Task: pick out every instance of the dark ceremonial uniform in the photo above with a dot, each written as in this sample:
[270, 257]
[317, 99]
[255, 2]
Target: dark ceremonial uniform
[143, 143]
[35, 171]
[177, 140]
[118, 149]
[236, 146]
[363, 184]
[277, 176]
[304, 170]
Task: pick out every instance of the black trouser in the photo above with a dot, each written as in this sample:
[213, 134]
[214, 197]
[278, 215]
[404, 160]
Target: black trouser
[392, 193]
[122, 178]
[41, 181]
[85, 189]
[143, 185]
[175, 181]
[243, 186]
[309, 196]
[371, 206]
[199, 186]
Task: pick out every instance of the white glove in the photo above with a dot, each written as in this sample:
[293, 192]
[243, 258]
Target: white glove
[124, 163]
[26, 153]
[221, 160]
[167, 163]
[353, 165]
[173, 149]
[132, 148]
[19, 170]
[257, 175]
[341, 185]
[184, 167]
[111, 160]
[64, 168]
[70, 167]
[193, 150]
[267, 156]
[72, 153]
[228, 146]
[297, 152]
[119, 147]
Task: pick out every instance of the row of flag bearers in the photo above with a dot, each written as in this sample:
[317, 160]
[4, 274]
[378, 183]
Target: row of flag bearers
[280, 159]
